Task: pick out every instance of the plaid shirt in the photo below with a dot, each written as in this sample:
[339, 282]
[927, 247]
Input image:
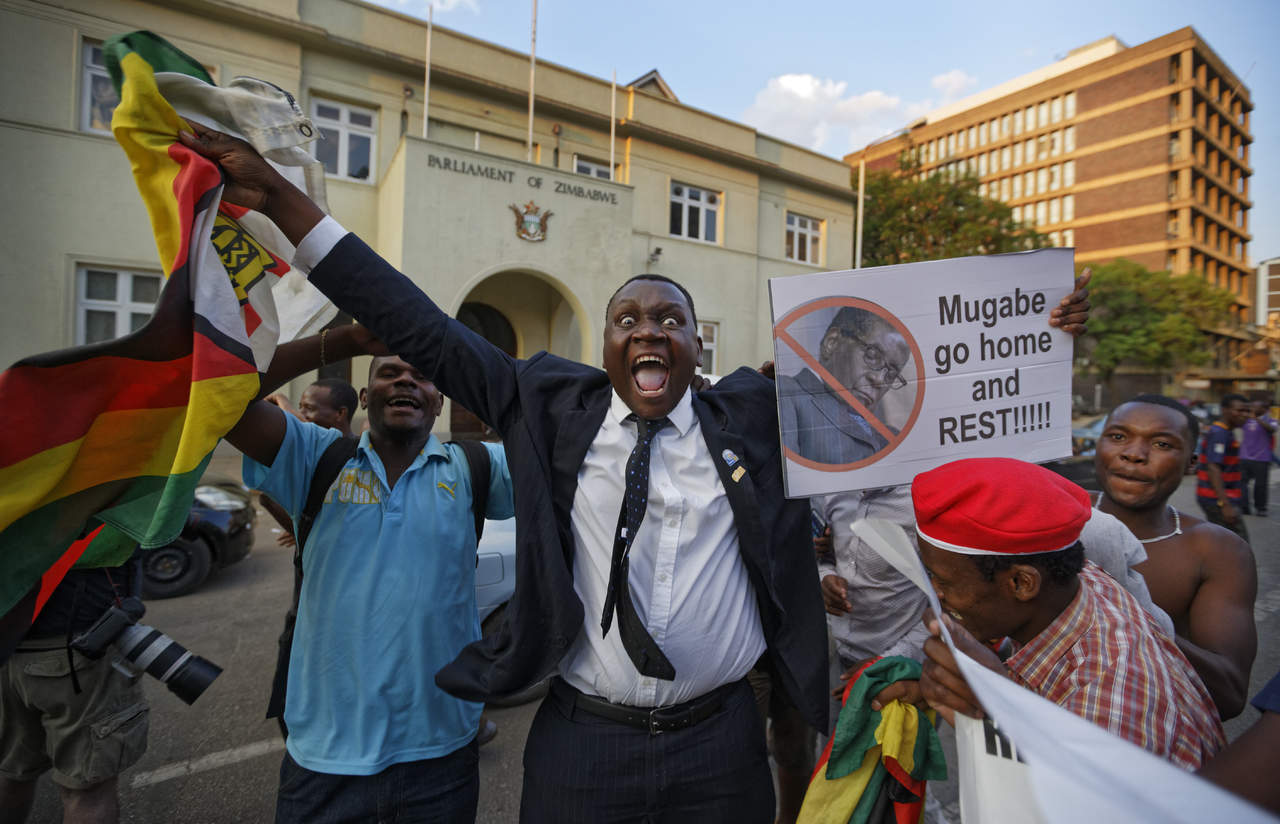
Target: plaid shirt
[1104, 660]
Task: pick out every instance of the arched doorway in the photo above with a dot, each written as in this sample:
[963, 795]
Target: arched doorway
[522, 313]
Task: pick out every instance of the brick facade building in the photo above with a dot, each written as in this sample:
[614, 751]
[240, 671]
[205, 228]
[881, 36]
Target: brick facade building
[1138, 152]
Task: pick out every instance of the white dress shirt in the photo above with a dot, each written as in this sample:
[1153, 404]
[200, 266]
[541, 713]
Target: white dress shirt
[687, 579]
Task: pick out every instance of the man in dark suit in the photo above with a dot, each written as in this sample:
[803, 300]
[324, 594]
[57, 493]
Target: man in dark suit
[865, 355]
[651, 717]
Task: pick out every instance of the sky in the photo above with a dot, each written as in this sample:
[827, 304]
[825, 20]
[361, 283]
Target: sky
[833, 75]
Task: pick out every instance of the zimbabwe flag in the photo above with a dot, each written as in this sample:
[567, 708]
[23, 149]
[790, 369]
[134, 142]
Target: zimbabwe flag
[110, 439]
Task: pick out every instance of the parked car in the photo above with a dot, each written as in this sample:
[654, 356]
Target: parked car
[218, 533]
[1084, 438]
[495, 583]
[1078, 469]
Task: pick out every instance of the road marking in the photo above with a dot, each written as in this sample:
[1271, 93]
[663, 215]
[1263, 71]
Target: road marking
[212, 761]
[1266, 605]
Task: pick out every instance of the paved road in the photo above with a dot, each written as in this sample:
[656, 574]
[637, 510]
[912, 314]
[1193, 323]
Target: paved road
[216, 762]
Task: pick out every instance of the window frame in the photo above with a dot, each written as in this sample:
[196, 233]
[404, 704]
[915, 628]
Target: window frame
[88, 70]
[687, 202]
[121, 308]
[814, 231]
[711, 348]
[597, 166]
[345, 128]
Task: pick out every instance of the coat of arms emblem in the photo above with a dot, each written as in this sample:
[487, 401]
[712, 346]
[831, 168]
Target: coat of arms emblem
[531, 222]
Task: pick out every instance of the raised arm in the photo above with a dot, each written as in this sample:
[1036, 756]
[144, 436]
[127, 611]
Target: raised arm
[462, 364]
[261, 428]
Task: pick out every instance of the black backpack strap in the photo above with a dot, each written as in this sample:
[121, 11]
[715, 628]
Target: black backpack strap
[334, 457]
[479, 464]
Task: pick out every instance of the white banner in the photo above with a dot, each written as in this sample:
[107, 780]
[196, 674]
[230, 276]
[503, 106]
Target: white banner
[887, 372]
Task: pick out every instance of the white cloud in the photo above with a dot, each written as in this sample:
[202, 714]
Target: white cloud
[953, 84]
[823, 115]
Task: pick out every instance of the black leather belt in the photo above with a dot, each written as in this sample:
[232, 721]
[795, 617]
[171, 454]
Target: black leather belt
[654, 719]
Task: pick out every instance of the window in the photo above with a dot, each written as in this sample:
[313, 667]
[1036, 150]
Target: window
[1017, 186]
[1017, 122]
[1069, 139]
[1055, 239]
[710, 332]
[1029, 183]
[1069, 173]
[982, 133]
[583, 166]
[348, 139]
[1017, 214]
[1055, 144]
[110, 303]
[982, 164]
[1069, 105]
[1055, 177]
[98, 97]
[1004, 188]
[694, 212]
[1055, 212]
[1004, 125]
[804, 236]
[1068, 237]
[1017, 153]
[1042, 179]
[1055, 109]
[1043, 111]
[1068, 208]
[1042, 213]
[971, 142]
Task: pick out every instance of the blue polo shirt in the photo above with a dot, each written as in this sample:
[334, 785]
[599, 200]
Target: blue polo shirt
[388, 598]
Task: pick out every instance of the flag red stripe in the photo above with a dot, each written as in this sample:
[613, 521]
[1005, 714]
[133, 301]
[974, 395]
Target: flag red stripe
[54, 574]
[196, 176]
[102, 384]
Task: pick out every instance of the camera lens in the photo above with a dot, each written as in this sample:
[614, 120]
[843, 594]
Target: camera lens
[186, 675]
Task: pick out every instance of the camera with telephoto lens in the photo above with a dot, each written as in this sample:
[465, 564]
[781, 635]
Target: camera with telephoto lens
[147, 648]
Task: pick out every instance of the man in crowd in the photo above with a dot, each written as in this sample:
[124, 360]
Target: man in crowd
[388, 597]
[1218, 487]
[1011, 567]
[1202, 575]
[1256, 445]
[87, 726]
[865, 356]
[651, 716]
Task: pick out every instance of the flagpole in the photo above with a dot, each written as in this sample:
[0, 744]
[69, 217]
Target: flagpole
[533, 46]
[862, 171]
[426, 82]
[613, 117]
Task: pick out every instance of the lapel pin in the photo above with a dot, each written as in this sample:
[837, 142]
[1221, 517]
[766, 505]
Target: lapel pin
[738, 473]
[729, 458]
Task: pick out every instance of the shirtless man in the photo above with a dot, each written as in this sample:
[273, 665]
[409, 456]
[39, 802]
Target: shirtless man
[1203, 575]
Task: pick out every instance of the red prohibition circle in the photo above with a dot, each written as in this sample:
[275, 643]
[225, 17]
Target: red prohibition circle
[780, 333]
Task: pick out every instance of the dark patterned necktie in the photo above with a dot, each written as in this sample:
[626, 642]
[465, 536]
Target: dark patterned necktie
[637, 641]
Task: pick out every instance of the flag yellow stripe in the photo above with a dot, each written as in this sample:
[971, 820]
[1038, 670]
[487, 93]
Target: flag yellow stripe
[127, 444]
[145, 125]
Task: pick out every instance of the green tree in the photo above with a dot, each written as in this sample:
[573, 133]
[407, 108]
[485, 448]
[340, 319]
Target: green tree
[1150, 319]
[909, 219]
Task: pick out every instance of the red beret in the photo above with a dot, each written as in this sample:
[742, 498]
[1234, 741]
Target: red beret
[998, 506]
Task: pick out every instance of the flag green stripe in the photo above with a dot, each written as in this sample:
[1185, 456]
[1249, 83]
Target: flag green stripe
[162, 55]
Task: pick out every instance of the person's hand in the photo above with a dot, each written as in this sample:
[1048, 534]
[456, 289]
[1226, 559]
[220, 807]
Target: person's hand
[1073, 313]
[835, 595]
[822, 543]
[1229, 513]
[250, 180]
[766, 369]
[847, 675]
[281, 400]
[908, 692]
[941, 682]
[286, 539]
[699, 383]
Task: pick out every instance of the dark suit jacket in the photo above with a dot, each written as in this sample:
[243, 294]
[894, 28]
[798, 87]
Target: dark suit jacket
[819, 426]
[549, 410]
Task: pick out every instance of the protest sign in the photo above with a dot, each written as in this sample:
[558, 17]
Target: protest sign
[1031, 760]
[887, 372]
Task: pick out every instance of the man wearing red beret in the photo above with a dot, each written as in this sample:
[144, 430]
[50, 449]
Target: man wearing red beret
[1000, 540]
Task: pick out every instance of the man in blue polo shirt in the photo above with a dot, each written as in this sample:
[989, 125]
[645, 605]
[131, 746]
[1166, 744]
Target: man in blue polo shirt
[388, 598]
